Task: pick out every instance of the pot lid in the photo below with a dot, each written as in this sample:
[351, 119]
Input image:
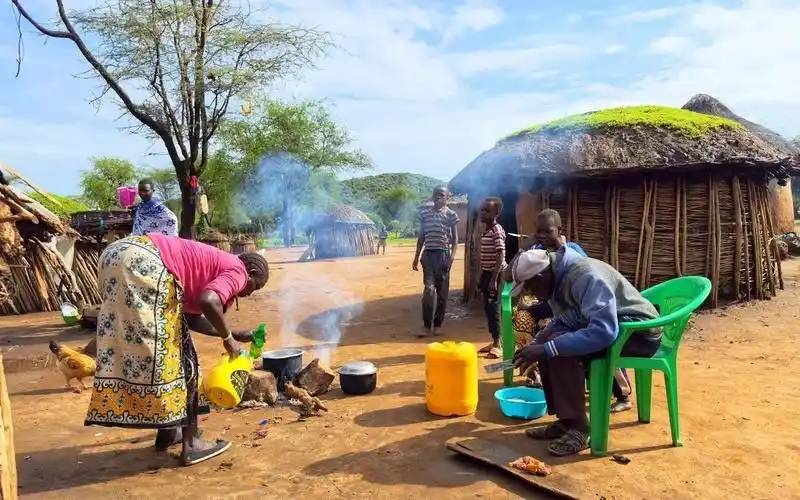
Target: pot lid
[358, 368]
[282, 353]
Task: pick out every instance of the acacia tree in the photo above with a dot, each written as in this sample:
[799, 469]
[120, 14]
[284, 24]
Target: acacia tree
[281, 147]
[100, 182]
[176, 65]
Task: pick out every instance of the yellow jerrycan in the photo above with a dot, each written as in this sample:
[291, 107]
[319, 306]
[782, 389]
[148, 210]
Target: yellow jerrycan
[225, 383]
[451, 378]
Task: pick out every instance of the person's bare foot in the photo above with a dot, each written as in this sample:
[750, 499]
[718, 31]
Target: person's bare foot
[621, 405]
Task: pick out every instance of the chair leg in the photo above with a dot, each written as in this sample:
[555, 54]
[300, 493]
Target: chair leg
[671, 383]
[644, 387]
[599, 397]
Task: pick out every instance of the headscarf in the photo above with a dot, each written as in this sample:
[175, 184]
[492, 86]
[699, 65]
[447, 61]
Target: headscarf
[154, 217]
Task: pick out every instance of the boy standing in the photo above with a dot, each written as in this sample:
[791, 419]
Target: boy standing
[493, 260]
[437, 243]
[383, 234]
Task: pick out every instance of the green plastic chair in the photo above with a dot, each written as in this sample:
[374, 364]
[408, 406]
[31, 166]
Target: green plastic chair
[676, 300]
[507, 331]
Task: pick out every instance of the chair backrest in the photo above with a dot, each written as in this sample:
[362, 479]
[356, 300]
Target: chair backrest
[679, 295]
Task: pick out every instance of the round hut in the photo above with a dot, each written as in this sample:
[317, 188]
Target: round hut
[343, 232]
[780, 196]
[657, 192]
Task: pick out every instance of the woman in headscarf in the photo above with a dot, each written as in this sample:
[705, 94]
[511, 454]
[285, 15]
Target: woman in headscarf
[152, 216]
[155, 288]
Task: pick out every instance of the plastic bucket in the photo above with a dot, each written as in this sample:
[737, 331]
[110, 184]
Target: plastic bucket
[126, 196]
[226, 382]
[521, 402]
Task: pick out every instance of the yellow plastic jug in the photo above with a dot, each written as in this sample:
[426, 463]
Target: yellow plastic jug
[225, 383]
[451, 378]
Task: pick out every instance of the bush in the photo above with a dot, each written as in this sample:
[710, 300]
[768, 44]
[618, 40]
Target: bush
[64, 206]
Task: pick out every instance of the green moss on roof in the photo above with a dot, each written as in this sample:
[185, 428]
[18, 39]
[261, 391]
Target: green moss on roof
[680, 120]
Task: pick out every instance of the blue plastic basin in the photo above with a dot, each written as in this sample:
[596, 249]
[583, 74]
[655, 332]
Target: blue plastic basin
[521, 402]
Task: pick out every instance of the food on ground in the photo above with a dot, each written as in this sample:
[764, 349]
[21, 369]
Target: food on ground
[531, 466]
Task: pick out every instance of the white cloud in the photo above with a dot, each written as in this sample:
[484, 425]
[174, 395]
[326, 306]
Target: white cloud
[671, 45]
[647, 16]
[475, 15]
[614, 49]
[528, 60]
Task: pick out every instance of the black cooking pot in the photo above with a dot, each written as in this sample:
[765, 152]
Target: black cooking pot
[358, 377]
[283, 363]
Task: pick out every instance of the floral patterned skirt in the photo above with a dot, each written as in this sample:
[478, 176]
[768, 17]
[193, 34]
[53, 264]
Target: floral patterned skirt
[146, 364]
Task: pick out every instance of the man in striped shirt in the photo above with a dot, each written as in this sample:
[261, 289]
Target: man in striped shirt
[437, 243]
[493, 260]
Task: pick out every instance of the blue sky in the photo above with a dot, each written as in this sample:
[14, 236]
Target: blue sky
[426, 86]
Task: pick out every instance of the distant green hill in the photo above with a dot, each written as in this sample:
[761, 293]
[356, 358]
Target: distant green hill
[364, 191]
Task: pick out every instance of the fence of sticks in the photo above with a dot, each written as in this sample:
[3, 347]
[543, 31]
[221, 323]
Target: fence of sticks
[656, 227]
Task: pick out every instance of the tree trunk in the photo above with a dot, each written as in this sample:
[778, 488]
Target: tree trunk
[188, 210]
[287, 224]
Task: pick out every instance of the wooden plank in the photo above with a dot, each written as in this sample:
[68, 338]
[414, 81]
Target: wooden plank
[499, 455]
[8, 457]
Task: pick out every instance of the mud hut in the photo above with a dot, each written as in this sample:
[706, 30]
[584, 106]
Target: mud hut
[780, 196]
[34, 275]
[657, 192]
[343, 232]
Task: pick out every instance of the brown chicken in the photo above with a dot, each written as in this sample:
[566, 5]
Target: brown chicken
[311, 405]
[73, 364]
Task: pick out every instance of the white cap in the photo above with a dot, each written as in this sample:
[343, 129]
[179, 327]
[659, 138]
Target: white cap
[526, 266]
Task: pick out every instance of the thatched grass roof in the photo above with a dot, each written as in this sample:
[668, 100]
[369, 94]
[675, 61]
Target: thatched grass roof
[706, 104]
[621, 141]
[26, 210]
[345, 214]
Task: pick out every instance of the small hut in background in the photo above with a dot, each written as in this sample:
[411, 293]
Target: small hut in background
[657, 192]
[460, 205]
[780, 196]
[33, 274]
[343, 232]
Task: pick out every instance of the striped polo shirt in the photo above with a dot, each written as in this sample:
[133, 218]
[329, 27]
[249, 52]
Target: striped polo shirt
[493, 240]
[435, 226]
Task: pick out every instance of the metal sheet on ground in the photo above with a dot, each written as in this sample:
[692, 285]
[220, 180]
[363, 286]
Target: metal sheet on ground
[499, 455]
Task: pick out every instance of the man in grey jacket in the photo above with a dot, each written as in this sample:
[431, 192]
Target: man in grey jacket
[589, 299]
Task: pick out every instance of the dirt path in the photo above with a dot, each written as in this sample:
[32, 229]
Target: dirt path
[740, 391]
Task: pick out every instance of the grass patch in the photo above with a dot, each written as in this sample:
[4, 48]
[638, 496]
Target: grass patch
[679, 120]
[399, 242]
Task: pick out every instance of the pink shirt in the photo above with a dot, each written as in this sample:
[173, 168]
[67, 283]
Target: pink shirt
[199, 267]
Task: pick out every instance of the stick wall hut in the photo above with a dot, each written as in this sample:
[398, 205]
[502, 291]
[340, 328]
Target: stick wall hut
[656, 192]
[33, 275]
[344, 232]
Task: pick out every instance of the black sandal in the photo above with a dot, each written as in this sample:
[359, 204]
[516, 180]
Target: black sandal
[550, 431]
[195, 457]
[571, 443]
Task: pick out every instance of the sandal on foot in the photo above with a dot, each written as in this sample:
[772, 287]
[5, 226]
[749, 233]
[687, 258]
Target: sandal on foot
[195, 457]
[485, 349]
[571, 443]
[550, 431]
[621, 405]
[494, 353]
[164, 441]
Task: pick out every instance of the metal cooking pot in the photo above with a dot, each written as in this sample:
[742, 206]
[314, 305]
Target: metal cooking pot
[358, 377]
[283, 363]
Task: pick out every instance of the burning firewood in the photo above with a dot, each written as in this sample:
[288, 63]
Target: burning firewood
[315, 378]
[310, 404]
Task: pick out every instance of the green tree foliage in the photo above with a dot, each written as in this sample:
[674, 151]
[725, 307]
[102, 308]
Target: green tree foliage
[366, 192]
[64, 206]
[399, 203]
[166, 185]
[100, 183]
[287, 155]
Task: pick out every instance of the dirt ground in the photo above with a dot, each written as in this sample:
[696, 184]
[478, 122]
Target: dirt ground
[740, 394]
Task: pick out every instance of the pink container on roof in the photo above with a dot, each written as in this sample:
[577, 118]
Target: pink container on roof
[126, 196]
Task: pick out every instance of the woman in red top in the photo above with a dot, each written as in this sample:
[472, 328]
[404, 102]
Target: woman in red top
[155, 288]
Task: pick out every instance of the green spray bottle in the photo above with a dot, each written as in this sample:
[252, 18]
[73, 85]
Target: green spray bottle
[259, 338]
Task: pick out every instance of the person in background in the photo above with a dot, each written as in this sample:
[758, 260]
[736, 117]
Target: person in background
[493, 261]
[151, 215]
[154, 289]
[588, 298]
[383, 235]
[436, 245]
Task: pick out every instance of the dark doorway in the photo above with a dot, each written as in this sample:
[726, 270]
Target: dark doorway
[508, 219]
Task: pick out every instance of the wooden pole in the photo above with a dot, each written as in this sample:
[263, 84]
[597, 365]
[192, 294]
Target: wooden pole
[8, 457]
[677, 233]
[737, 253]
[651, 235]
[642, 226]
[758, 260]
